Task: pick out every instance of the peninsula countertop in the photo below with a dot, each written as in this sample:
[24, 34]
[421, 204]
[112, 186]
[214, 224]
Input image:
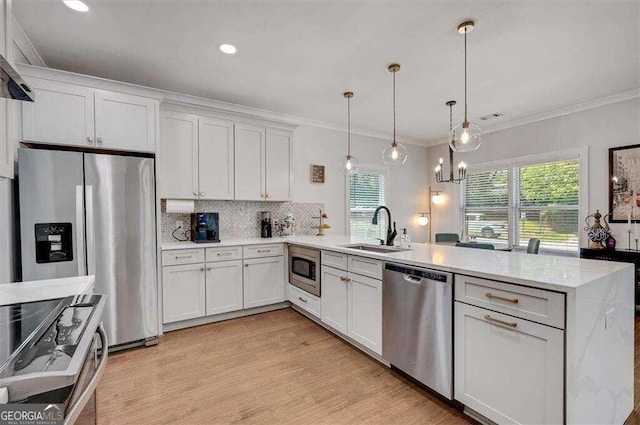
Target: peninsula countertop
[557, 273]
[38, 290]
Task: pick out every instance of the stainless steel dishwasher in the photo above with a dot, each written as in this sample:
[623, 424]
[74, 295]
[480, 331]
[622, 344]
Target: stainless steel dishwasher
[417, 324]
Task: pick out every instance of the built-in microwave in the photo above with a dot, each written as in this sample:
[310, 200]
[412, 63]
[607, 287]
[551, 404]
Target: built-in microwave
[304, 269]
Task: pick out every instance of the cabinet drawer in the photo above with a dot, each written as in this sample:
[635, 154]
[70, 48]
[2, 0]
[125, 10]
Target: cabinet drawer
[334, 259]
[224, 253]
[365, 266]
[533, 304]
[304, 300]
[182, 256]
[267, 250]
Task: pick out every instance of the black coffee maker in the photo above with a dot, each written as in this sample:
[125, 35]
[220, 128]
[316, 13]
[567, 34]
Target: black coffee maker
[205, 227]
[265, 224]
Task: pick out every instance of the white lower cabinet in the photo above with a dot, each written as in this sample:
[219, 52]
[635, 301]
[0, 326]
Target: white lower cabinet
[352, 305]
[365, 311]
[508, 369]
[183, 290]
[263, 281]
[224, 287]
[333, 304]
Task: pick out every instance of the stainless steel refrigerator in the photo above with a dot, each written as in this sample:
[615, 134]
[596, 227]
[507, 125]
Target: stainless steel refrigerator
[85, 213]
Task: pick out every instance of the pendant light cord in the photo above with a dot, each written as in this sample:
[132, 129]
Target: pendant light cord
[465, 75]
[349, 126]
[394, 106]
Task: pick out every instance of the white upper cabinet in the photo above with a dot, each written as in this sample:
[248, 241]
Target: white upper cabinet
[124, 121]
[63, 114]
[249, 163]
[215, 159]
[68, 114]
[178, 156]
[278, 165]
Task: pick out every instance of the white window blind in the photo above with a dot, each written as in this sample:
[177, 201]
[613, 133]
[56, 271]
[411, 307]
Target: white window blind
[546, 204]
[512, 203]
[366, 193]
[486, 208]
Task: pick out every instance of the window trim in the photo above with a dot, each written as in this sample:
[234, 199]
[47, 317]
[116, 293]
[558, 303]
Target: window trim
[371, 168]
[581, 154]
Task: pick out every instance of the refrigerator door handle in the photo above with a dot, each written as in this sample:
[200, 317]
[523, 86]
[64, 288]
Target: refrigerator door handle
[91, 247]
[82, 270]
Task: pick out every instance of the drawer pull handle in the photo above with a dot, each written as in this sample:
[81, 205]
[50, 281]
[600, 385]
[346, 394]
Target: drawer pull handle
[501, 322]
[223, 253]
[302, 299]
[497, 297]
[345, 279]
[178, 257]
[264, 250]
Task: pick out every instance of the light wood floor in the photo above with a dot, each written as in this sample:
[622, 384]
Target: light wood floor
[276, 367]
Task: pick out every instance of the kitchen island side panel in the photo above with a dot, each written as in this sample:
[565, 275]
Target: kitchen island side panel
[600, 350]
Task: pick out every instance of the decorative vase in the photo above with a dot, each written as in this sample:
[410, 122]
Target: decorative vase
[597, 233]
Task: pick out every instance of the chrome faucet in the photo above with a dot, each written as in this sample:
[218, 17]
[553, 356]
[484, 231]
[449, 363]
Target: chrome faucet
[391, 235]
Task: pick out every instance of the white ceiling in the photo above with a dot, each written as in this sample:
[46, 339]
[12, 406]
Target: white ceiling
[297, 58]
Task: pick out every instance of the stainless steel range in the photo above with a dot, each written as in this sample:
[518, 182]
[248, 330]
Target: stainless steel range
[49, 354]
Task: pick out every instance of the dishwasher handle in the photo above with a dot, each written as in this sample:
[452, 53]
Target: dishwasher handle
[415, 275]
[412, 279]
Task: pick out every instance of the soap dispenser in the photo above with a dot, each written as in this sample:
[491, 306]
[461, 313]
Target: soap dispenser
[405, 239]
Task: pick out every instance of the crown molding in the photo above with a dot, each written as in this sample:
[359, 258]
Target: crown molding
[281, 118]
[568, 110]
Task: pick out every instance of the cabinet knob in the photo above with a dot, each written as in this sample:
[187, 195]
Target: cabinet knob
[246, 265]
[266, 196]
[201, 193]
[208, 268]
[89, 139]
[262, 195]
[195, 193]
[99, 139]
[201, 269]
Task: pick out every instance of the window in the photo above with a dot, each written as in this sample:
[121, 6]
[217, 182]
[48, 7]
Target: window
[486, 215]
[366, 193]
[513, 203]
[546, 204]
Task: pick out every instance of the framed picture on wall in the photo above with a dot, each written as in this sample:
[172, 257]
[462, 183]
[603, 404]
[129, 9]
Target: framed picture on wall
[624, 184]
[317, 173]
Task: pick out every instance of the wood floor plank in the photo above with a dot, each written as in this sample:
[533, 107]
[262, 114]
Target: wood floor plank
[272, 368]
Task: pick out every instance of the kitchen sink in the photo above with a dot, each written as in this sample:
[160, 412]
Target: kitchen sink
[376, 248]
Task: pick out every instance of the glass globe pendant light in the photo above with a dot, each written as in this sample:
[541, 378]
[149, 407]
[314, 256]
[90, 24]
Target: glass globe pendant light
[466, 136]
[395, 153]
[349, 165]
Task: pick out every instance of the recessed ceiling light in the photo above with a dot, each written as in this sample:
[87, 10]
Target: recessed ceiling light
[229, 49]
[76, 5]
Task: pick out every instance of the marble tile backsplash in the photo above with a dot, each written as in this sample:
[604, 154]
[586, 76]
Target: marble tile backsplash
[240, 219]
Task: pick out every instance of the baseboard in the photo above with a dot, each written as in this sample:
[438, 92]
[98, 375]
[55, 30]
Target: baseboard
[168, 327]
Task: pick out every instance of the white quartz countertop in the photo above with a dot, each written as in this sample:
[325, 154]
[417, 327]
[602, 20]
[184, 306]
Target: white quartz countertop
[38, 290]
[543, 271]
[228, 242]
